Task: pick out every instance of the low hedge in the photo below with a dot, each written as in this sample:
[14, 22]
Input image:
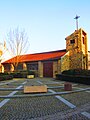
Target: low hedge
[18, 75]
[6, 77]
[74, 78]
[77, 72]
[75, 75]
[23, 74]
[5, 73]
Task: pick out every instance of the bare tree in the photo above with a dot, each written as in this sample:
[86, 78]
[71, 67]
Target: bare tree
[18, 45]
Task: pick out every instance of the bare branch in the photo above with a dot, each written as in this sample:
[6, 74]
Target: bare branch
[18, 44]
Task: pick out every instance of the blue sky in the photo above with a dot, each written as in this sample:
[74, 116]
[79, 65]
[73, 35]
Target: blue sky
[46, 22]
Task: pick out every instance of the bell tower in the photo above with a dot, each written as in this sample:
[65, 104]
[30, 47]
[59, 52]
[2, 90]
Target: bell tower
[76, 44]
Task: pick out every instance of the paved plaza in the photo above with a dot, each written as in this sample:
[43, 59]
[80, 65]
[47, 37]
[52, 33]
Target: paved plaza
[56, 104]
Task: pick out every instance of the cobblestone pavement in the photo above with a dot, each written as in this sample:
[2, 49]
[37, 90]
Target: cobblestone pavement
[45, 107]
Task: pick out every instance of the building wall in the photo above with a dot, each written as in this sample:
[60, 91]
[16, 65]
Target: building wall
[32, 65]
[7, 67]
[75, 58]
[76, 44]
[12, 68]
[65, 62]
[55, 68]
[59, 66]
[89, 60]
[40, 69]
[1, 53]
[1, 60]
[24, 66]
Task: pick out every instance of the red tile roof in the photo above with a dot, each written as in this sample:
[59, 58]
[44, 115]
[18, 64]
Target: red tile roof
[38, 56]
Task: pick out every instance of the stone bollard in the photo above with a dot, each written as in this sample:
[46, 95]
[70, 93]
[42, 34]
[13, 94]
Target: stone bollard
[67, 86]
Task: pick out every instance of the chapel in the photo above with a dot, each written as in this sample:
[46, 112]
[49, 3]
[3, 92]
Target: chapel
[47, 64]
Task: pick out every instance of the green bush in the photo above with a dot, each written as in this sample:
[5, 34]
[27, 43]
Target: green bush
[6, 77]
[31, 72]
[23, 73]
[77, 72]
[6, 73]
[75, 75]
[19, 75]
[72, 78]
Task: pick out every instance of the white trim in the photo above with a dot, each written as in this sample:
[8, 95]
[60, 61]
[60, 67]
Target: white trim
[63, 100]
[86, 114]
[11, 94]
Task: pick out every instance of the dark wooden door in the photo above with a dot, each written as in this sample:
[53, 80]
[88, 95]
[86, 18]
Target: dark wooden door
[48, 69]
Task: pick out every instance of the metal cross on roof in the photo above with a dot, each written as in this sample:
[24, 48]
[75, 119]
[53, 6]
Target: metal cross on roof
[77, 21]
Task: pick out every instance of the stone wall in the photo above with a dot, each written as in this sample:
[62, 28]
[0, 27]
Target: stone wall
[76, 61]
[76, 44]
[65, 62]
[40, 69]
[55, 68]
[89, 60]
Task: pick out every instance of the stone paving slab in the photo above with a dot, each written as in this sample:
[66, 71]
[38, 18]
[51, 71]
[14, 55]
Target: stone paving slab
[88, 110]
[5, 92]
[86, 114]
[62, 89]
[71, 114]
[82, 86]
[32, 108]
[7, 86]
[78, 99]
[45, 107]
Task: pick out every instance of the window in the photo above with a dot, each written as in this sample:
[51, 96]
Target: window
[72, 41]
[32, 66]
[83, 40]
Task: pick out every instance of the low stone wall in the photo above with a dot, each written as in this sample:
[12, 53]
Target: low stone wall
[74, 78]
[35, 89]
[30, 76]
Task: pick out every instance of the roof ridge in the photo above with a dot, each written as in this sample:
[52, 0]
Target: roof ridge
[38, 56]
[46, 52]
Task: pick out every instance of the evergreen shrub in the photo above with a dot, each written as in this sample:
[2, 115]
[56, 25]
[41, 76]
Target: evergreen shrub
[23, 73]
[76, 75]
[6, 77]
